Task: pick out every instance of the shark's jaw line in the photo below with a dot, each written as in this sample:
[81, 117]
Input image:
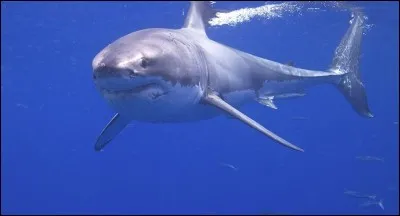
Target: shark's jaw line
[131, 91]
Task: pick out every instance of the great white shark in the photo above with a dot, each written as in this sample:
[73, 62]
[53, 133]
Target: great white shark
[162, 75]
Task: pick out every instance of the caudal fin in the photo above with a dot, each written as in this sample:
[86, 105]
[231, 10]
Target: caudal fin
[346, 62]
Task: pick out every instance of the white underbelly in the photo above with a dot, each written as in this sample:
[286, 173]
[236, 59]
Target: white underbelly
[238, 98]
[169, 111]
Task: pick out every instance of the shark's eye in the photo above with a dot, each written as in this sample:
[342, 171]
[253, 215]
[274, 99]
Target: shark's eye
[144, 62]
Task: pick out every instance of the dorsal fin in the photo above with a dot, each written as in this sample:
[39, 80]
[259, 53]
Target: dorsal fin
[199, 14]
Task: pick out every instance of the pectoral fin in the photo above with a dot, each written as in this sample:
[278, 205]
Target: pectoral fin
[214, 100]
[113, 128]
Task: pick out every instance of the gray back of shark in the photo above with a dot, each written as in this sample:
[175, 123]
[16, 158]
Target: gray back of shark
[180, 75]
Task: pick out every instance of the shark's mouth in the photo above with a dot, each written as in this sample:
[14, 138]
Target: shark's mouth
[150, 91]
[134, 90]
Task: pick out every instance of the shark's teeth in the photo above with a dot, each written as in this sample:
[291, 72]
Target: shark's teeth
[135, 90]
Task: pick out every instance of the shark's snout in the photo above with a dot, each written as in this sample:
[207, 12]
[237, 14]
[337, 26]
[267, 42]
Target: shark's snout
[103, 70]
[110, 65]
[113, 78]
[109, 76]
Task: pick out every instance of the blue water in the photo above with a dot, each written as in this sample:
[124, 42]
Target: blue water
[51, 115]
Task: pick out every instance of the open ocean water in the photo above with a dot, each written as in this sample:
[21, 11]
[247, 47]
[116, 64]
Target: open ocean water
[51, 115]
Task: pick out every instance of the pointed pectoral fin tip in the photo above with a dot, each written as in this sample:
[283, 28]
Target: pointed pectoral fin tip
[296, 148]
[113, 128]
[216, 101]
[98, 147]
[290, 145]
[366, 114]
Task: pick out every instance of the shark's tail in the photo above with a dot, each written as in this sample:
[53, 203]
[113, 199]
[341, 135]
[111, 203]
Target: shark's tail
[346, 63]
